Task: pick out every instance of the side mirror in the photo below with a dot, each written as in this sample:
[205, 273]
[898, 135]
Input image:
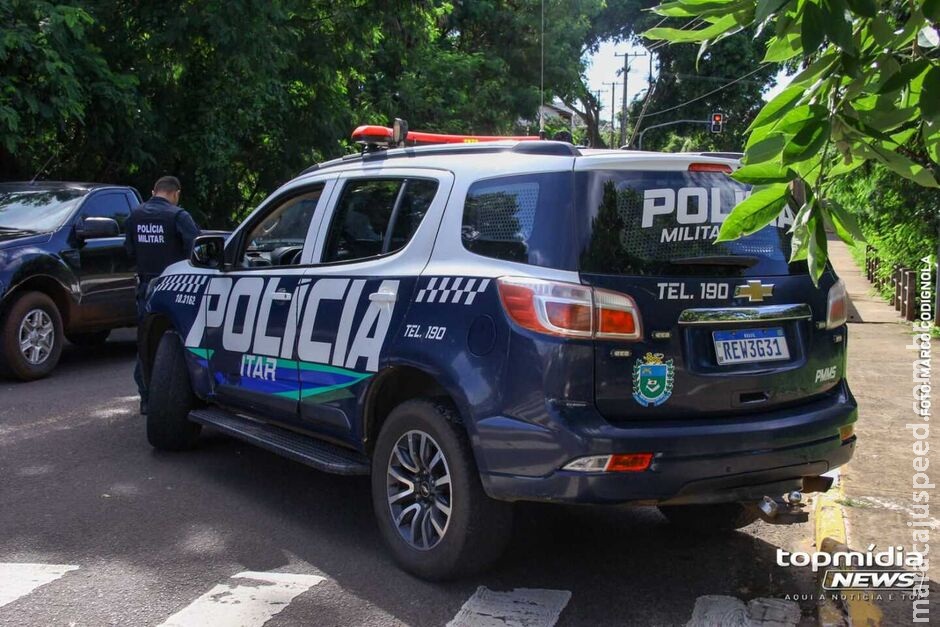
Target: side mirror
[208, 252]
[95, 228]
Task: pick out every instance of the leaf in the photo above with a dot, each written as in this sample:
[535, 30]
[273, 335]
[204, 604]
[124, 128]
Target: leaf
[777, 107]
[931, 9]
[765, 8]
[822, 65]
[782, 47]
[754, 212]
[763, 174]
[678, 36]
[897, 163]
[768, 149]
[865, 8]
[841, 222]
[931, 135]
[803, 225]
[817, 252]
[811, 28]
[835, 24]
[930, 96]
[807, 142]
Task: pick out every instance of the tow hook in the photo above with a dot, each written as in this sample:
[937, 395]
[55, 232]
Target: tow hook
[785, 510]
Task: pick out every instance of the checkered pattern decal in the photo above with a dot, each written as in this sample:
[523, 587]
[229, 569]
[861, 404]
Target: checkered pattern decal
[186, 283]
[452, 290]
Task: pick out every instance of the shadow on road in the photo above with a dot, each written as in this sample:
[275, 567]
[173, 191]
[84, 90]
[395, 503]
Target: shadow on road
[224, 507]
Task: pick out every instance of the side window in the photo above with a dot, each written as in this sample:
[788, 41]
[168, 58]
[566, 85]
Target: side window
[278, 238]
[376, 216]
[520, 218]
[108, 205]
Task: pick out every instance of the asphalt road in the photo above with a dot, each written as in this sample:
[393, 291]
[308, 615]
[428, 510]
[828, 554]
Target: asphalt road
[151, 533]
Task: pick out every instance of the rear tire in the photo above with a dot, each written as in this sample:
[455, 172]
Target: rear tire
[171, 398]
[711, 518]
[30, 337]
[460, 530]
[95, 338]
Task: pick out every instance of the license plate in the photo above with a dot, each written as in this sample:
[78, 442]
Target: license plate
[743, 346]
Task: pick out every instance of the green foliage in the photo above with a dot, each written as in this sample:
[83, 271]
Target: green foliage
[237, 97]
[897, 217]
[868, 92]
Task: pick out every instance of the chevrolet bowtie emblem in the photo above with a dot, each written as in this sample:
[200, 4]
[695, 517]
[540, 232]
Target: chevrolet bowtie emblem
[755, 291]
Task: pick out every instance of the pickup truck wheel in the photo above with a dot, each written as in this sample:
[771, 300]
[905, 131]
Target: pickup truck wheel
[427, 496]
[171, 398]
[711, 518]
[31, 339]
[95, 338]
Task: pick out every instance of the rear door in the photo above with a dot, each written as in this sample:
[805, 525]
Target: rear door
[372, 247]
[727, 328]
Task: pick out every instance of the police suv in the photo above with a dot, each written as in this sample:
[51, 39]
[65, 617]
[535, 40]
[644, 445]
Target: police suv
[497, 321]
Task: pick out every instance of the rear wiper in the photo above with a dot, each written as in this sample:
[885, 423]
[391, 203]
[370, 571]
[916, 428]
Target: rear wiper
[740, 261]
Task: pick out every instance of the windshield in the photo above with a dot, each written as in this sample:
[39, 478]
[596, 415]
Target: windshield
[37, 210]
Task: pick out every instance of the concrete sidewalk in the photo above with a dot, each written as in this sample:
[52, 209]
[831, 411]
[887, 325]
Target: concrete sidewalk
[878, 482]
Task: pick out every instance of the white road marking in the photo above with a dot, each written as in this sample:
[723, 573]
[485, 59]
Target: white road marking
[247, 603]
[711, 610]
[17, 580]
[523, 607]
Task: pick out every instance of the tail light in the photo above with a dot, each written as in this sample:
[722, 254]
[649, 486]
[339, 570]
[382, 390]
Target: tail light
[837, 306]
[569, 309]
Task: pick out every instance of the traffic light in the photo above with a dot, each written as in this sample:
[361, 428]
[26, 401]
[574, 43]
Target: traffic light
[717, 120]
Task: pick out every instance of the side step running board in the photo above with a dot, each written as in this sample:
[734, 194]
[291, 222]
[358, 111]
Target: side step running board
[304, 449]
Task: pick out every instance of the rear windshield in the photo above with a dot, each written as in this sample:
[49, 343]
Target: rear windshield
[666, 223]
[621, 222]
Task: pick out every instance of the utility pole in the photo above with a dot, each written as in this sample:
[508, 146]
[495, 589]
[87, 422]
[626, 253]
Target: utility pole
[613, 111]
[626, 81]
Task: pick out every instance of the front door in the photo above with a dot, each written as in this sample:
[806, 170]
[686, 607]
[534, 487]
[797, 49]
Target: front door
[251, 311]
[105, 272]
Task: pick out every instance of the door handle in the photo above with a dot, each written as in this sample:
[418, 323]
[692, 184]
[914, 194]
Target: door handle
[281, 295]
[383, 297]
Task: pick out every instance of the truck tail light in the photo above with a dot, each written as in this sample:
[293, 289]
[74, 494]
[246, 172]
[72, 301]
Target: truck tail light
[837, 306]
[617, 316]
[548, 306]
[569, 309]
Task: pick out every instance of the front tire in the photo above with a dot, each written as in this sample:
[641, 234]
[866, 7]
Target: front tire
[431, 508]
[171, 398]
[31, 339]
[711, 518]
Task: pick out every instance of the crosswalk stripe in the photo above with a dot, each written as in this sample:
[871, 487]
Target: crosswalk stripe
[17, 580]
[246, 603]
[522, 607]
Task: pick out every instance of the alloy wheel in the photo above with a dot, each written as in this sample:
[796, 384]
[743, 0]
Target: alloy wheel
[36, 336]
[419, 490]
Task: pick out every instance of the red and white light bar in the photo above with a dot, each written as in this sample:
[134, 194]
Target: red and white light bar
[370, 134]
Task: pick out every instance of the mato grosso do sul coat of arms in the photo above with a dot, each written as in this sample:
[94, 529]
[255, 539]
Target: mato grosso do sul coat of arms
[652, 379]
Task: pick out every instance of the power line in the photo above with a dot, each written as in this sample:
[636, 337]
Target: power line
[714, 91]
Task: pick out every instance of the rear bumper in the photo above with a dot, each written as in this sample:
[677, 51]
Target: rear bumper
[736, 459]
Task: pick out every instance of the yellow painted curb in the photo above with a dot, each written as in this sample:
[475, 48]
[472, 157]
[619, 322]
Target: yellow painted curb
[831, 537]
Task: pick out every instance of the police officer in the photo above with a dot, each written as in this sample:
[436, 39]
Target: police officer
[159, 233]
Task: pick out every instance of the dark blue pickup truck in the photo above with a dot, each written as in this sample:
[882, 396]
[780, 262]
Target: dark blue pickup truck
[63, 270]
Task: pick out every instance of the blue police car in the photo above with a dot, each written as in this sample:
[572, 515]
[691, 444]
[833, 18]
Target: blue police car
[490, 322]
